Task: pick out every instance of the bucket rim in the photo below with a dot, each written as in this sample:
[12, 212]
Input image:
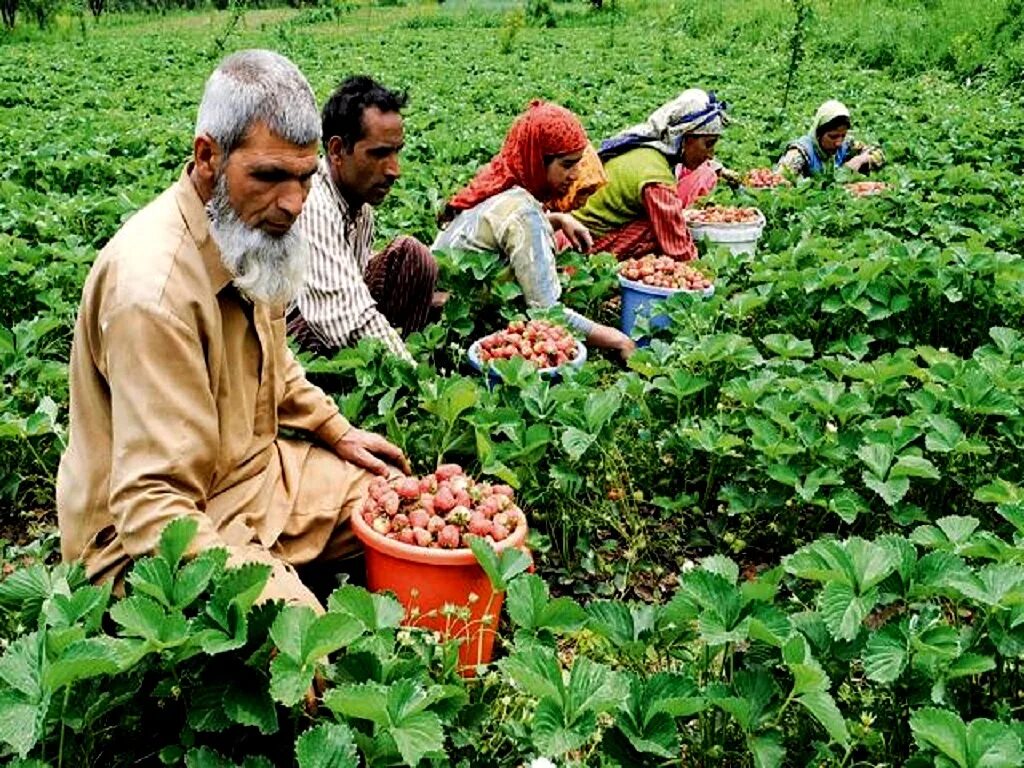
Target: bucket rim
[401, 551]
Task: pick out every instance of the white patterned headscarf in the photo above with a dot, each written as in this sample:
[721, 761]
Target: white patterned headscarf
[692, 113]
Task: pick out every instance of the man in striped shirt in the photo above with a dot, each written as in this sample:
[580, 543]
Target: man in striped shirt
[349, 293]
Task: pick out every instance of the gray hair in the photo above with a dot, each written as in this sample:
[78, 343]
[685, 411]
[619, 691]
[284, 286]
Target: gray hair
[257, 86]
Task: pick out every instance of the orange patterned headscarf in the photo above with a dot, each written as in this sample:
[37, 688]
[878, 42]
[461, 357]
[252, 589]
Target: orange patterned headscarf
[545, 129]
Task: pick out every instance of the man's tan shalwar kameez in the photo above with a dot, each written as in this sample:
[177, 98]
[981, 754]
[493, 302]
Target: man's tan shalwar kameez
[178, 387]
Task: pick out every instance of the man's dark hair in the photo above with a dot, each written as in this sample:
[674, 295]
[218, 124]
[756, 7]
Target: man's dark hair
[343, 112]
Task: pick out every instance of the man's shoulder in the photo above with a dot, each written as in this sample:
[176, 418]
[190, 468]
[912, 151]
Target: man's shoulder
[152, 259]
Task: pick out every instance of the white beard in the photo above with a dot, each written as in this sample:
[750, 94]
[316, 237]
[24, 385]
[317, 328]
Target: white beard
[264, 268]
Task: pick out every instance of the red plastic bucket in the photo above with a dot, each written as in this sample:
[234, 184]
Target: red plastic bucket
[444, 590]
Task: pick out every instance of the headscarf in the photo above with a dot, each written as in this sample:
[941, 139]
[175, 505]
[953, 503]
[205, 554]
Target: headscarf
[827, 112]
[590, 177]
[543, 130]
[693, 112]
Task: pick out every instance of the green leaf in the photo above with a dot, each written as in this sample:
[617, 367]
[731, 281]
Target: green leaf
[20, 721]
[890, 491]
[92, 657]
[600, 407]
[417, 736]
[886, 654]
[767, 749]
[374, 611]
[499, 567]
[329, 633]
[249, 703]
[871, 562]
[291, 628]
[612, 620]
[204, 757]
[328, 745]
[958, 528]
[576, 442]
[843, 611]
[878, 457]
[367, 701]
[530, 607]
[553, 735]
[175, 538]
[151, 576]
[195, 577]
[914, 466]
[724, 566]
[847, 505]
[942, 731]
[289, 679]
[139, 616]
[537, 671]
[593, 687]
[969, 665]
[788, 346]
[992, 744]
[823, 708]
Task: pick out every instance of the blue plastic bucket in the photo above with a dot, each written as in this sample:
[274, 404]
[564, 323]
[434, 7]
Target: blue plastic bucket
[640, 300]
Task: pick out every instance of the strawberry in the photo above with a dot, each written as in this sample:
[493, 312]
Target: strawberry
[427, 502]
[449, 537]
[407, 535]
[446, 471]
[391, 502]
[399, 522]
[408, 488]
[489, 506]
[435, 524]
[381, 525]
[424, 538]
[419, 518]
[479, 524]
[499, 532]
[459, 515]
[378, 487]
[428, 484]
[462, 498]
[503, 490]
[501, 519]
[444, 500]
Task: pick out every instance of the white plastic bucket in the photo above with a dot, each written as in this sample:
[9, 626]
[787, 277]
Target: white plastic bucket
[738, 238]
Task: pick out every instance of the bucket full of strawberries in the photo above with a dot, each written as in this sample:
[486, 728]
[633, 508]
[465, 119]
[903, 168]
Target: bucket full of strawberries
[738, 229]
[649, 280]
[547, 346]
[415, 532]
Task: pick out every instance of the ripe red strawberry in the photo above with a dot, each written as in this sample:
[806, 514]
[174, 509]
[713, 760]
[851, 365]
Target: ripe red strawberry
[489, 506]
[479, 524]
[435, 524]
[378, 487]
[428, 484]
[499, 532]
[462, 498]
[449, 537]
[424, 538]
[446, 471]
[407, 535]
[419, 518]
[427, 502]
[503, 490]
[399, 522]
[444, 500]
[408, 488]
[391, 502]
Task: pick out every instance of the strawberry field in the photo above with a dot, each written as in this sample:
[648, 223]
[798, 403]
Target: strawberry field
[790, 532]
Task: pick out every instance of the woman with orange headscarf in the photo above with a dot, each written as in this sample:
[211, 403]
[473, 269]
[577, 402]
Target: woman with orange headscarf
[502, 210]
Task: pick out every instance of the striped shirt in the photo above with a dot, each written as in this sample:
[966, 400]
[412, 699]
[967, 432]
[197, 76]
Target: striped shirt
[513, 224]
[335, 301]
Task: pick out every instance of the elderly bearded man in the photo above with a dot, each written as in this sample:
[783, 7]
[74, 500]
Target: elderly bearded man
[180, 373]
[350, 293]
